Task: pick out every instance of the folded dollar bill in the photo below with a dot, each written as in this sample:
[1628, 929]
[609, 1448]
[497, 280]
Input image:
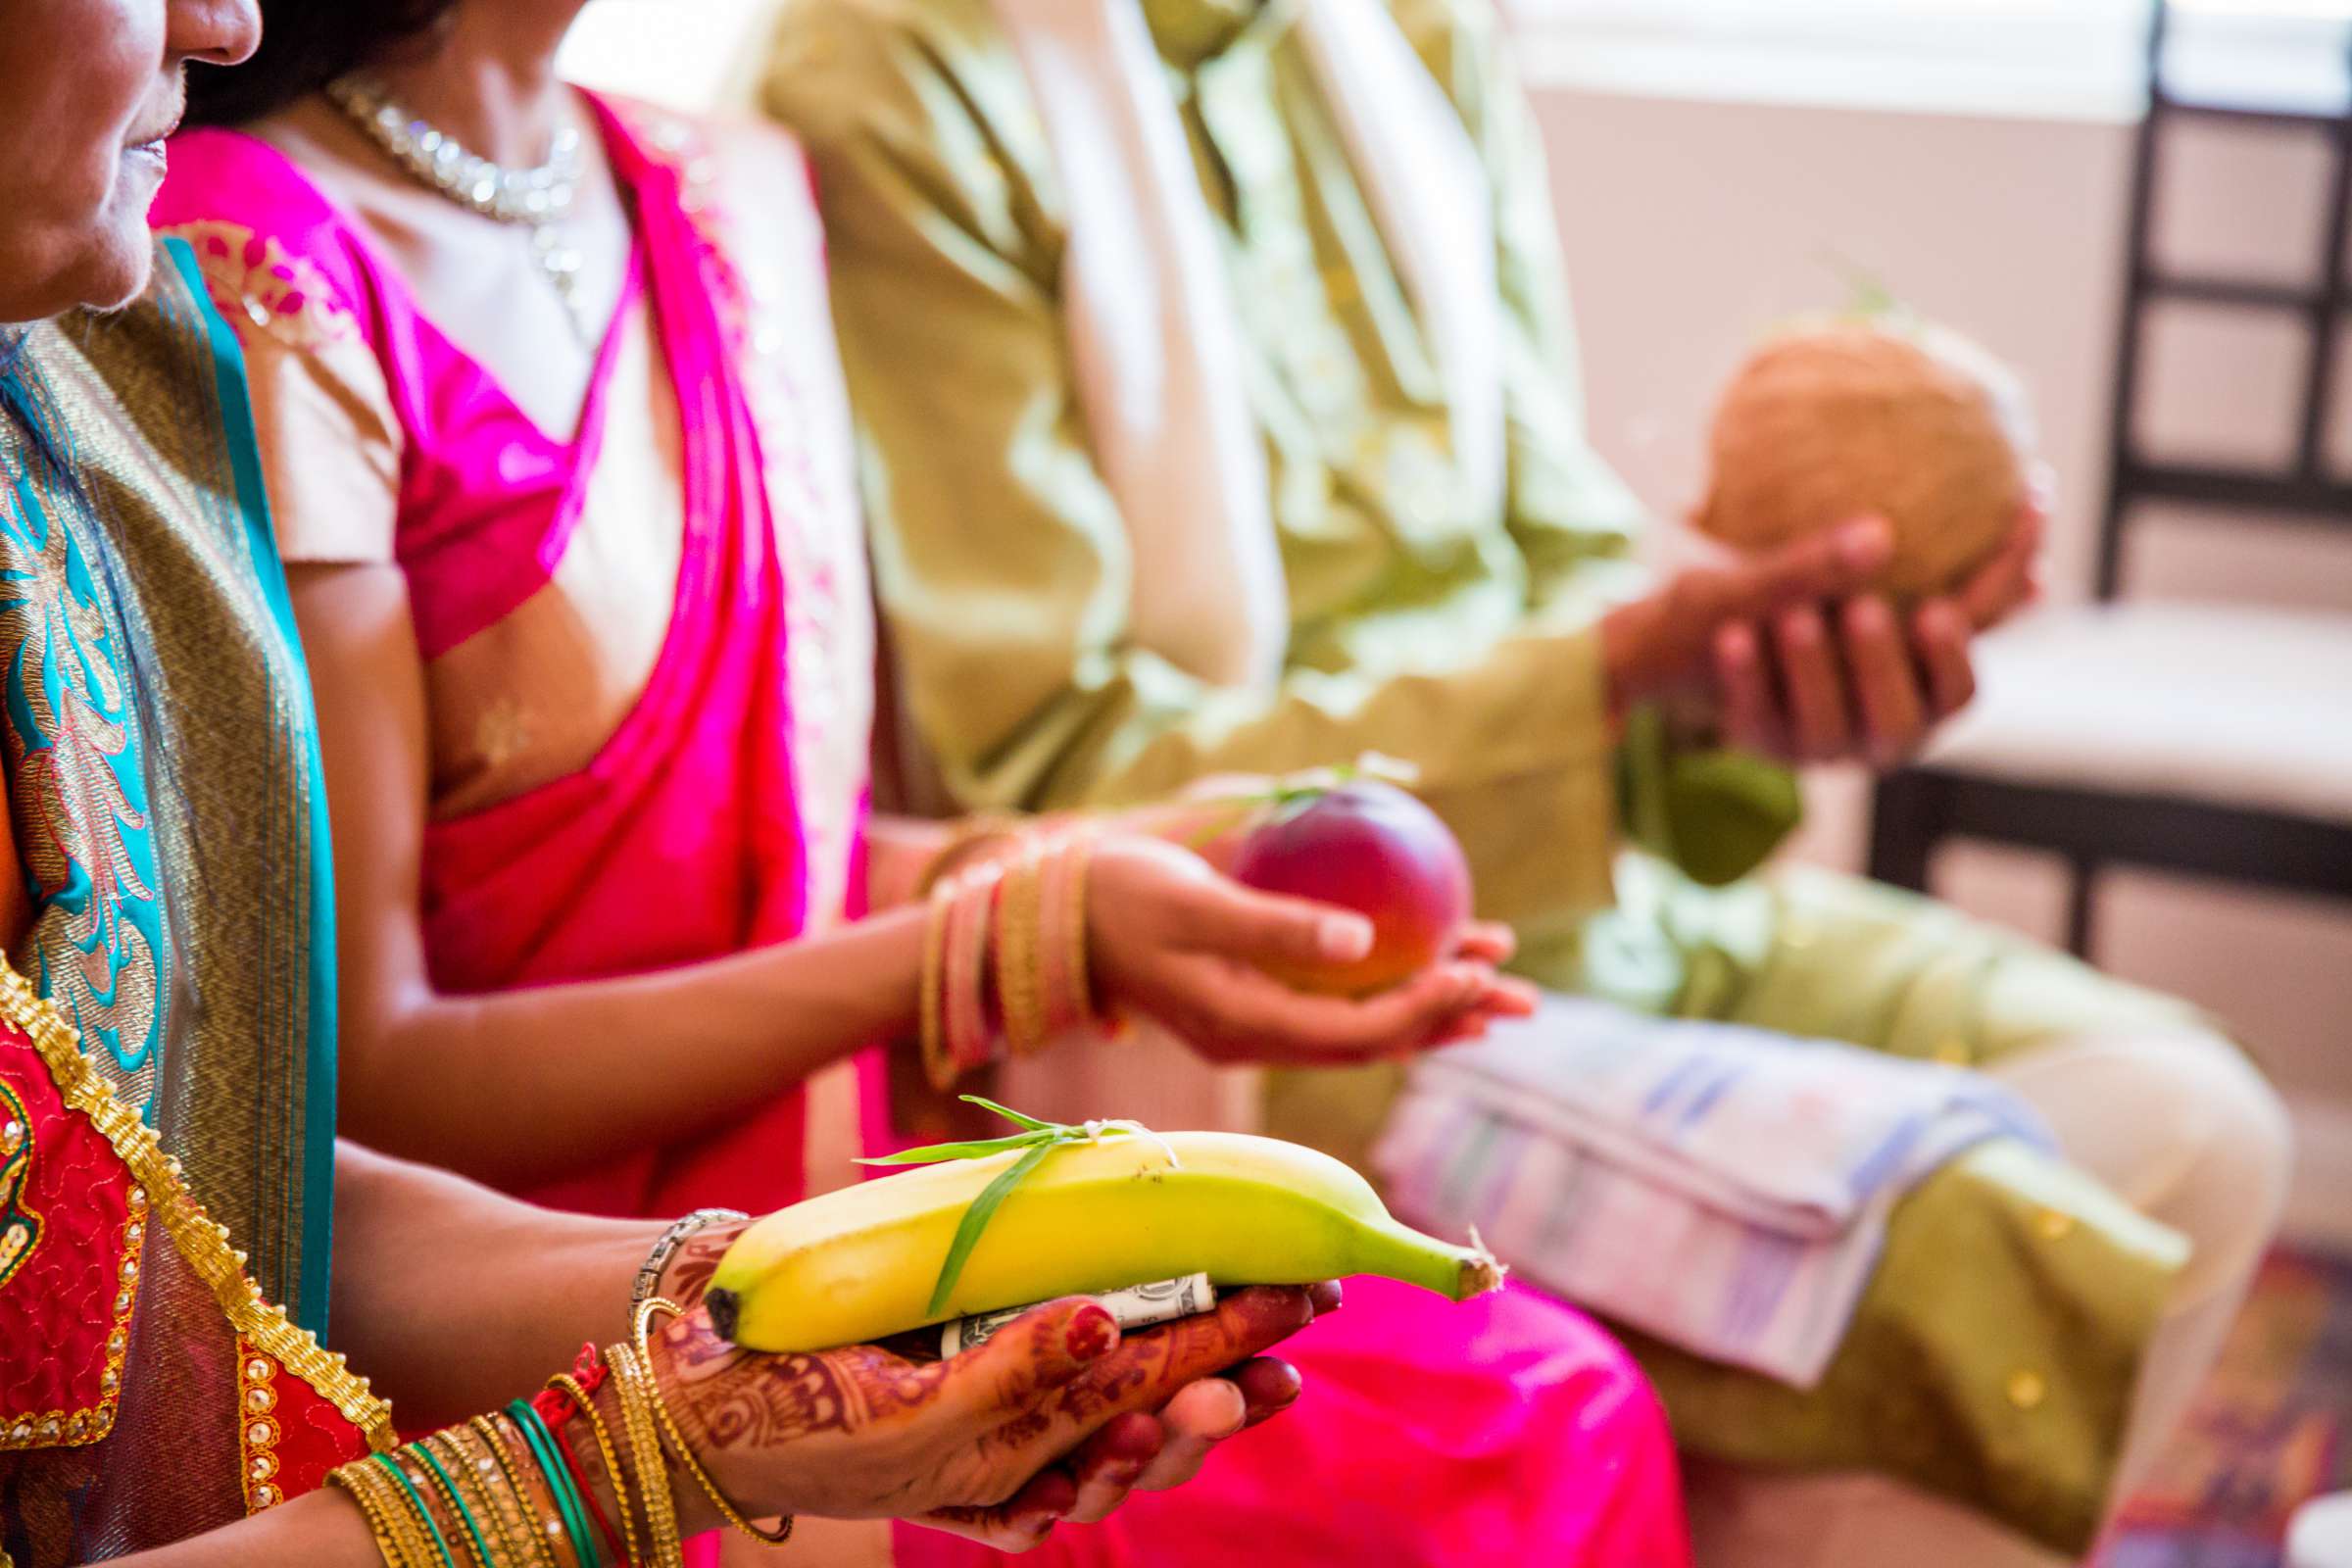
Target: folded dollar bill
[1137, 1306]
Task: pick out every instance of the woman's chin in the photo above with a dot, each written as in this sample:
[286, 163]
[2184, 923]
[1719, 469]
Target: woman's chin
[119, 273]
[106, 276]
[122, 255]
[116, 273]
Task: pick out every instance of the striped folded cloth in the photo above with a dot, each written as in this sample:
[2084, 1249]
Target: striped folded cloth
[1724, 1189]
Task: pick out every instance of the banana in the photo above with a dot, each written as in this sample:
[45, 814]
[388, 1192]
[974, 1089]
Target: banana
[858, 1264]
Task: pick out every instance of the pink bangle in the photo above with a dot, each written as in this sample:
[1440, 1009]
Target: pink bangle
[970, 1040]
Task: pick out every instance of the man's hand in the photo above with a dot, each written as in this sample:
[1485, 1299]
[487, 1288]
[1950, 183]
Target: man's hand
[1790, 654]
[1816, 684]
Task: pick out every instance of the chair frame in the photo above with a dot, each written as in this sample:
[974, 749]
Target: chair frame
[1916, 809]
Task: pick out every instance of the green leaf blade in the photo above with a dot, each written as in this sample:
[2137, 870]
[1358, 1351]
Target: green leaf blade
[975, 1220]
[979, 1149]
[1017, 1118]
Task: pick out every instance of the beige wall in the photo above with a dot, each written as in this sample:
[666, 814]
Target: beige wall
[1692, 225]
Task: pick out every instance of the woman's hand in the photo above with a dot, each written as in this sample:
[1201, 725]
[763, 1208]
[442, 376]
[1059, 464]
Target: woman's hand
[1056, 1417]
[1172, 938]
[1210, 816]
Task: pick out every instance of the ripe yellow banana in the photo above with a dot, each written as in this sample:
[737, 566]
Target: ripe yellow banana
[860, 1265]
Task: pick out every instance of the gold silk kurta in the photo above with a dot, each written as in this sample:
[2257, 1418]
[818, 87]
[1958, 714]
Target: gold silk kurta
[1994, 1356]
[1457, 640]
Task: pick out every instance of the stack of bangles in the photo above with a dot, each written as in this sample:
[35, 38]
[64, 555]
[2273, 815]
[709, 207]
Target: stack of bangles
[515, 1489]
[1004, 953]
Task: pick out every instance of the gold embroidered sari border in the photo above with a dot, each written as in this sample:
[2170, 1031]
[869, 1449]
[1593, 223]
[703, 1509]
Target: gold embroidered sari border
[202, 1240]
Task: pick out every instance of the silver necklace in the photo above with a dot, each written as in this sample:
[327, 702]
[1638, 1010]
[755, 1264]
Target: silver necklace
[537, 198]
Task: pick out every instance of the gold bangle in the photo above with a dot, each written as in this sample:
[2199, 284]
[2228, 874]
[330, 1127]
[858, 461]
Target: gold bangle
[685, 1452]
[384, 1504]
[611, 1456]
[507, 1515]
[1075, 1002]
[971, 833]
[438, 1483]
[936, 1068]
[1018, 993]
[369, 1505]
[413, 1522]
[644, 1448]
[530, 1511]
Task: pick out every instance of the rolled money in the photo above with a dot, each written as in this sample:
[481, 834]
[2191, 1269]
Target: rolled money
[1137, 1306]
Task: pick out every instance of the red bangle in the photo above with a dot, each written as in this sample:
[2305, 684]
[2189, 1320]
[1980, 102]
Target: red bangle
[554, 1407]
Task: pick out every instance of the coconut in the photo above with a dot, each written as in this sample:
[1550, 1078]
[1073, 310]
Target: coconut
[1838, 418]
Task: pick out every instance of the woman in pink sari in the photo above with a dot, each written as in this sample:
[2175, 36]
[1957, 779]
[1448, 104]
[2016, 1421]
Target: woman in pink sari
[563, 477]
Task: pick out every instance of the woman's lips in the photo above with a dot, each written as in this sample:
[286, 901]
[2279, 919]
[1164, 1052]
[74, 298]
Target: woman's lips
[147, 152]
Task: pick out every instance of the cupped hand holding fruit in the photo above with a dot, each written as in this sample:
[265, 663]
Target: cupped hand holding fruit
[1172, 938]
[1879, 470]
[1788, 652]
[1057, 1417]
[1863, 679]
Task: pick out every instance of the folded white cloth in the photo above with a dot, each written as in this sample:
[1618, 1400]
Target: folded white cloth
[1724, 1189]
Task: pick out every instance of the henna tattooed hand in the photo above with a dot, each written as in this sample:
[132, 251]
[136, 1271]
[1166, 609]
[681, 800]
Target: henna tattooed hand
[697, 1258]
[1056, 1417]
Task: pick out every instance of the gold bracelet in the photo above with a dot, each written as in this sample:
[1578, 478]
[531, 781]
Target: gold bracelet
[534, 1527]
[507, 1513]
[936, 1068]
[644, 1448]
[611, 1456]
[1019, 913]
[381, 1499]
[685, 1452]
[971, 833]
[1069, 1000]
[432, 1482]
[370, 1505]
[412, 1519]
[443, 1484]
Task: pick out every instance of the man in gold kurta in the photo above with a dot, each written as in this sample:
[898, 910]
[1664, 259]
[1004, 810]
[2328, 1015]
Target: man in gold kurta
[2028, 1338]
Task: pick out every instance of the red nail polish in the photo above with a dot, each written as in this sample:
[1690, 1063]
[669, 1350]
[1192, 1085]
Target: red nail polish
[1092, 1334]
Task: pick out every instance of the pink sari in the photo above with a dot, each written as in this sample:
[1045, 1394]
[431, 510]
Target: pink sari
[731, 796]
[1508, 1430]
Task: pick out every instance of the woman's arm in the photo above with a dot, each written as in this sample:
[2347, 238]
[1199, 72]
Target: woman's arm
[454, 1298]
[523, 1086]
[512, 1087]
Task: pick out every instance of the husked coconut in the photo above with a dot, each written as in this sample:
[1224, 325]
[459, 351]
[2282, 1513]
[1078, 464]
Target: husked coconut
[1839, 419]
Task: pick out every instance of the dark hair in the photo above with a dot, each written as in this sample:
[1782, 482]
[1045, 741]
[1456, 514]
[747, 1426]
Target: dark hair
[304, 45]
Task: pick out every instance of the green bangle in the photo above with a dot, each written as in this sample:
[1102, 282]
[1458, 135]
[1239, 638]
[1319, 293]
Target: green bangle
[416, 1502]
[481, 1551]
[560, 1484]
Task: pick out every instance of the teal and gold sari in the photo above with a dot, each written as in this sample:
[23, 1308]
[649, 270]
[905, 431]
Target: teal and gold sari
[167, 1037]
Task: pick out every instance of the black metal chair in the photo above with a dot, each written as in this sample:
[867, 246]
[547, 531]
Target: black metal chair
[2209, 740]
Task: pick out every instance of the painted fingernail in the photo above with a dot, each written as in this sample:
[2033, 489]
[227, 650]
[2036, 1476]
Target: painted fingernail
[1091, 1332]
[1343, 937]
